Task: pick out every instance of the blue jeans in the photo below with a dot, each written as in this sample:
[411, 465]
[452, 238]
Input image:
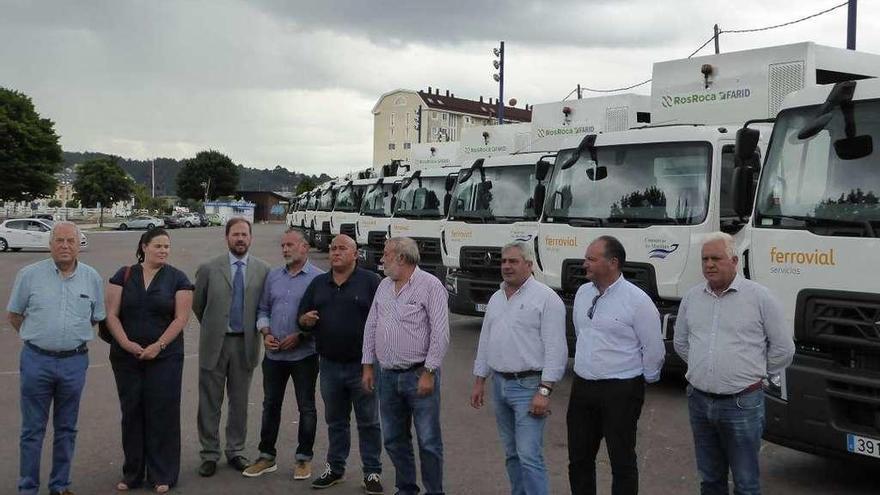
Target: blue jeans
[727, 435]
[401, 407]
[44, 380]
[521, 434]
[341, 389]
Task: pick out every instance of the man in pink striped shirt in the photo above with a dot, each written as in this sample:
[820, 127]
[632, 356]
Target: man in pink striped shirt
[407, 332]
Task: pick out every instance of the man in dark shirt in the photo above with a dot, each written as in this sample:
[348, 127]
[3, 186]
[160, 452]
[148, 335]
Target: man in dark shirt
[334, 309]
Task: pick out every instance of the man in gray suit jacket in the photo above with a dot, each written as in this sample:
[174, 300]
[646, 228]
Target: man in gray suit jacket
[228, 290]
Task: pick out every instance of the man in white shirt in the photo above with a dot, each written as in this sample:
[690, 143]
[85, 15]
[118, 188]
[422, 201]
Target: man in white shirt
[522, 343]
[619, 348]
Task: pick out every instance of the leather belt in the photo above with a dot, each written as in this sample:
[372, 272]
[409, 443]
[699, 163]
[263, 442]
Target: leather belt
[404, 370]
[516, 375]
[751, 388]
[82, 349]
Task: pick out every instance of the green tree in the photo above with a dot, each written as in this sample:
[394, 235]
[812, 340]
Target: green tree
[72, 204]
[102, 181]
[54, 203]
[305, 185]
[209, 170]
[29, 151]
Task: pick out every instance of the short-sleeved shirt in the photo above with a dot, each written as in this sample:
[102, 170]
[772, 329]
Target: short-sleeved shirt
[147, 312]
[59, 313]
[342, 313]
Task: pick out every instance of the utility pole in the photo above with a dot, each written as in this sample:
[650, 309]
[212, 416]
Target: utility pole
[851, 25]
[152, 178]
[717, 33]
[498, 63]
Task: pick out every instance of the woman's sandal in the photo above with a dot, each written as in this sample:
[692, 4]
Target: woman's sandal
[162, 488]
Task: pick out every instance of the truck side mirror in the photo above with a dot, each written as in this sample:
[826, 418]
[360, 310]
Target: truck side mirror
[746, 145]
[539, 196]
[597, 173]
[743, 190]
[542, 168]
[447, 200]
[450, 182]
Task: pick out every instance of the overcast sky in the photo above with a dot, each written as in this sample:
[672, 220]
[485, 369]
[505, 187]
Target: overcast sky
[292, 83]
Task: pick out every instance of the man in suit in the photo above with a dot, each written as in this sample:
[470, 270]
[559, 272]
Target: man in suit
[228, 290]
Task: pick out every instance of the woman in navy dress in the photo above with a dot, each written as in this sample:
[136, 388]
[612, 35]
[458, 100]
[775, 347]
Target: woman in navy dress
[148, 306]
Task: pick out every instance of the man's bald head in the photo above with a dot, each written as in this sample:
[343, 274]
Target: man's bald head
[343, 254]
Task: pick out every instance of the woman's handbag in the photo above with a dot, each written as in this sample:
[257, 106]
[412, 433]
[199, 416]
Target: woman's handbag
[103, 329]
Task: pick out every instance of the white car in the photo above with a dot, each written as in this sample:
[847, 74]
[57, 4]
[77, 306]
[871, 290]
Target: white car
[190, 220]
[141, 222]
[28, 233]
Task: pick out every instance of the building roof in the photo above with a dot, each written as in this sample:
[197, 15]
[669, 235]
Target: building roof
[246, 194]
[450, 103]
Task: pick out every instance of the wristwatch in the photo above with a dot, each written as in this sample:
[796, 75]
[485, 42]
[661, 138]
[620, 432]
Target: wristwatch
[430, 370]
[544, 390]
[162, 345]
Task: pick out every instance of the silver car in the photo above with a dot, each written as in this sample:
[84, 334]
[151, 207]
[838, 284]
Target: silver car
[141, 222]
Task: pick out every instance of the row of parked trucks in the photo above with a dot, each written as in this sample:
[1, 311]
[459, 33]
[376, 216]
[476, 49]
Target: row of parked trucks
[773, 145]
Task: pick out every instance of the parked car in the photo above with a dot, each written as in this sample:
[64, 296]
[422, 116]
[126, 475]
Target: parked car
[28, 233]
[141, 222]
[214, 219]
[172, 222]
[189, 220]
[203, 220]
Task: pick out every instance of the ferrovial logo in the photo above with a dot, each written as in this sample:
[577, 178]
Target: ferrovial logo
[670, 101]
[791, 262]
[459, 235]
[561, 241]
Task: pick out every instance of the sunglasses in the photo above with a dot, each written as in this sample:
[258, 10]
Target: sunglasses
[593, 306]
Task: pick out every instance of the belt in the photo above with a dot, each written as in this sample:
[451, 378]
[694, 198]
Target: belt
[516, 375]
[82, 349]
[751, 388]
[235, 334]
[404, 370]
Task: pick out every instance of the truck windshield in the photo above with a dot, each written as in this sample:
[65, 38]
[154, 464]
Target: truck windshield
[377, 201]
[496, 194]
[325, 202]
[421, 198]
[349, 199]
[806, 185]
[635, 185]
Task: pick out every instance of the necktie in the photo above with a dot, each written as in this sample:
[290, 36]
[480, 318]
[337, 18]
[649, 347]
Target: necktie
[236, 310]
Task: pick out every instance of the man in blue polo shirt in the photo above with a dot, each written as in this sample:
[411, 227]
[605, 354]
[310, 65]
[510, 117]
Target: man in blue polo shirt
[54, 305]
[335, 309]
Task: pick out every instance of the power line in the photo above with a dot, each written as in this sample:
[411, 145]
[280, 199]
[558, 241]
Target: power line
[732, 31]
[817, 14]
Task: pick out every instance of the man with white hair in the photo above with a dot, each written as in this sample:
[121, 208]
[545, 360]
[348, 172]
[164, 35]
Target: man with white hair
[522, 344]
[731, 333]
[54, 306]
[407, 333]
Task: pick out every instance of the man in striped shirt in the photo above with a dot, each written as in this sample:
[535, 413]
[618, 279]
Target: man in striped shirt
[407, 332]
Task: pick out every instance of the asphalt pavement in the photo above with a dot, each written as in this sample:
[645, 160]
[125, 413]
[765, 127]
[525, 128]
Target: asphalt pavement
[474, 463]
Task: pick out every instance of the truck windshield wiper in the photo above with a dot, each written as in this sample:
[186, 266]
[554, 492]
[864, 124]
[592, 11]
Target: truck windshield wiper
[870, 228]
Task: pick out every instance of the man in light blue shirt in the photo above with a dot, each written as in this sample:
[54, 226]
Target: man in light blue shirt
[619, 348]
[54, 305]
[522, 343]
[289, 357]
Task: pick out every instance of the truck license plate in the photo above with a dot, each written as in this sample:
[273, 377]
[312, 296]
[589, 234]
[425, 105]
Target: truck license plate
[863, 445]
[481, 308]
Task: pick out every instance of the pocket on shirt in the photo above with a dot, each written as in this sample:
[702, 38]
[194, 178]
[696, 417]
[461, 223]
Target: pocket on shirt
[411, 313]
[82, 308]
[528, 317]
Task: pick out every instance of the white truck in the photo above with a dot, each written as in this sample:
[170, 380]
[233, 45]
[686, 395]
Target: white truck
[499, 199]
[660, 188]
[814, 232]
[423, 199]
[318, 219]
[347, 206]
[372, 223]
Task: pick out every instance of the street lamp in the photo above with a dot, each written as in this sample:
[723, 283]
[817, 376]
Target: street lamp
[498, 63]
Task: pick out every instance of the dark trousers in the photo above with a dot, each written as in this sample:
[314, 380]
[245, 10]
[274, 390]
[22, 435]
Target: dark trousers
[607, 409]
[276, 374]
[149, 397]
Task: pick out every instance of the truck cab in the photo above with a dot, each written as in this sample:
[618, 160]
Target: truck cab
[347, 206]
[813, 238]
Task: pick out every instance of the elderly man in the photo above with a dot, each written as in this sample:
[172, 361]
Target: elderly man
[732, 334]
[288, 357]
[407, 332]
[335, 308]
[228, 290]
[522, 343]
[619, 348]
[53, 306]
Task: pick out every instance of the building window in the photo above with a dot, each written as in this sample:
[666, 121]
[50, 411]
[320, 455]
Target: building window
[392, 119]
[434, 115]
[392, 146]
[467, 120]
[400, 101]
[407, 146]
[443, 117]
[452, 119]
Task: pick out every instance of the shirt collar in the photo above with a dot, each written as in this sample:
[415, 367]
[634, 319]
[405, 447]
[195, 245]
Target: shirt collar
[734, 286]
[243, 259]
[615, 284]
[306, 268]
[58, 270]
[522, 287]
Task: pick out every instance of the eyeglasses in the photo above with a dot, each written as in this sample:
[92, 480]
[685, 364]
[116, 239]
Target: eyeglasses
[593, 307]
